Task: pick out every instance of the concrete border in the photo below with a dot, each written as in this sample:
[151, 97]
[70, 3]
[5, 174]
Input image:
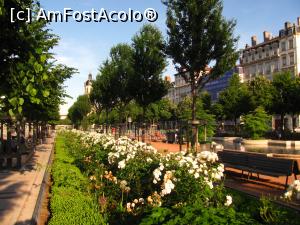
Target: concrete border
[37, 208]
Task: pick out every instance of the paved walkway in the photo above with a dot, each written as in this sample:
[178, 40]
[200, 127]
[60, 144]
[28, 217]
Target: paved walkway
[19, 190]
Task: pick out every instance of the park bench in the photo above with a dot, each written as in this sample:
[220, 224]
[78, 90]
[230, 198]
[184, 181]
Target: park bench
[257, 163]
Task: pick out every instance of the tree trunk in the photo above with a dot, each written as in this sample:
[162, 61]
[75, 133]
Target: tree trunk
[282, 122]
[19, 153]
[194, 125]
[2, 129]
[143, 125]
[293, 125]
[235, 124]
[106, 121]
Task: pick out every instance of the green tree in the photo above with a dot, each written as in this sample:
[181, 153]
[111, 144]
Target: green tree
[79, 110]
[235, 100]
[146, 84]
[161, 110]
[207, 120]
[261, 91]
[199, 36]
[256, 123]
[282, 101]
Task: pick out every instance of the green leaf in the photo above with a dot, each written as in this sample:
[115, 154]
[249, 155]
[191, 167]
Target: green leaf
[13, 101]
[22, 74]
[29, 87]
[21, 101]
[20, 109]
[46, 93]
[39, 50]
[32, 79]
[45, 76]
[33, 92]
[25, 81]
[11, 113]
[43, 58]
[37, 67]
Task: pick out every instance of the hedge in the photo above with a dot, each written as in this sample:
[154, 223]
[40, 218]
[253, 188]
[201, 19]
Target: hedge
[70, 201]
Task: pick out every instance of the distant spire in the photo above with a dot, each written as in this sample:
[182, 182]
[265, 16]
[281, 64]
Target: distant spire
[90, 77]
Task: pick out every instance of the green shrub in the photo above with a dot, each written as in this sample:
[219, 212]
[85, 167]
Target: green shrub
[70, 202]
[257, 123]
[70, 206]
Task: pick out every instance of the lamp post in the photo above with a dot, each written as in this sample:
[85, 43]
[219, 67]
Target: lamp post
[129, 120]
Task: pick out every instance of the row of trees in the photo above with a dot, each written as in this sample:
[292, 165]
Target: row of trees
[31, 87]
[131, 74]
[31, 82]
[260, 97]
[198, 36]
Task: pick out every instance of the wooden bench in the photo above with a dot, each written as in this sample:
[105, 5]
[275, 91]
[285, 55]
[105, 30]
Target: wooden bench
[270, 166]
[257, 163]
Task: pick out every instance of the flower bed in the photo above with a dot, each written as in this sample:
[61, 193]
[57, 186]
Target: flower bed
[134, 184]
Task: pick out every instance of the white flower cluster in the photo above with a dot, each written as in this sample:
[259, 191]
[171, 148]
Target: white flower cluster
[124, 149]
[168, 185]
[228, 200]
[293, 189]
[202, 166]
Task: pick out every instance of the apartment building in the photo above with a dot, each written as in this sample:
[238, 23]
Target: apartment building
[274, 54]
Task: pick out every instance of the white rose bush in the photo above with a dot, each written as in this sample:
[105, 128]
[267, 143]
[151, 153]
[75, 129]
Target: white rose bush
[135, 184]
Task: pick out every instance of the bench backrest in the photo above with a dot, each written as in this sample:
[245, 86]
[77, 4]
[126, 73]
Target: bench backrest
[233, 158]
[257, 161]
[270, 164]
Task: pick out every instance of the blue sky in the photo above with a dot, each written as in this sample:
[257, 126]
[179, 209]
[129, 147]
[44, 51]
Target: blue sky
[86, 45]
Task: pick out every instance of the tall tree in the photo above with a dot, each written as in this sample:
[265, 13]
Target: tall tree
[104, 93]
[261, 91]
[282, 101]
[235, 100]
[146, 84]
[79, 110]
[199, 36]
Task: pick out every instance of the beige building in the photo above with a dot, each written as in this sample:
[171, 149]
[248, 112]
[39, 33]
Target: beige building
[274, 54]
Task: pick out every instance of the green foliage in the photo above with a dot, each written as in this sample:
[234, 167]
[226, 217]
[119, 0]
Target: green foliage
[70, 202]
[198, 36]
[30, 81]
[261, 91]
[79, 110]
[235, 99]
[161, 110]
[197, 212]
[70, 206]
[146, 84]
[257, 123]
[207, 120]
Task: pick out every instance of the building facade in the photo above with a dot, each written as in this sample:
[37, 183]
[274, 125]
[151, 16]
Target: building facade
[274, 54]
[181, 89]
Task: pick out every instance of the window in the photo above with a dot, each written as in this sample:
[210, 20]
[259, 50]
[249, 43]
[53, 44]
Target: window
[283, 47]
[292, 59]
[291, 44]
[284, 61]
